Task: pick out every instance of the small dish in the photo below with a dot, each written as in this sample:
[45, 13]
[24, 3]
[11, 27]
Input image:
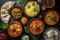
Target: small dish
[14, 29]
[31, 8]
[51, 34]
[36, 26]
[51, 17]
[16, 12]
[24, 20]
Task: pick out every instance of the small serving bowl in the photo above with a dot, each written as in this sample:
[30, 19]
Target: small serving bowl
[40, 31]
[14, 9]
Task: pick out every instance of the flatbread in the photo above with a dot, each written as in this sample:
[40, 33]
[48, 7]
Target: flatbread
[8, 5]
[4, 11]
[5, 16]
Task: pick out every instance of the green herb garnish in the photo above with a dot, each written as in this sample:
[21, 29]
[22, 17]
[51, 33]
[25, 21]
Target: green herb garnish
[26, 29]
[51, 17]
[3, 26]
[33, 4]
[19, 2]
[35, 10]
[28, 6]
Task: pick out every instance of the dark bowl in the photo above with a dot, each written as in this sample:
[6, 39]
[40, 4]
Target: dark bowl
[36, 19]
[53, 13]
[49, 6]
[13, 8]
[51, 28]
[16, 22]
[24, 8]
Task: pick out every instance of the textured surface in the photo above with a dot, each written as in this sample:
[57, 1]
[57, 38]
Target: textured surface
[56, 7]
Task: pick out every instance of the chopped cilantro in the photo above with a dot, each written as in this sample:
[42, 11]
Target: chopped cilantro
[35, 10]
[51, 17]
[33, 4]
[3, 26]
[28, 6]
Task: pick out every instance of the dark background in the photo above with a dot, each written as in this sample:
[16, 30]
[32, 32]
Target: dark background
[56, 7]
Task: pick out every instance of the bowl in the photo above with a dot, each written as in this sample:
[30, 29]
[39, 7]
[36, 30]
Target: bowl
[51, 17]
[14, 29]
[36, 26]
[16, 12]
[31, 8]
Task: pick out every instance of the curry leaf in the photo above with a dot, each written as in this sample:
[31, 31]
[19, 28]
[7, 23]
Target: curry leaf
[26, 29]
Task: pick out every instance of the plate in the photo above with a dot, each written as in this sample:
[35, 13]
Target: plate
[51, 34]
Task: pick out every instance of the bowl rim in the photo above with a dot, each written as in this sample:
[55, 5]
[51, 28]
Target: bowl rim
[50, 6]
[39, 20]
[53, 28]
[47, 13]
[13, 8]
[13, 23]
[26, 3]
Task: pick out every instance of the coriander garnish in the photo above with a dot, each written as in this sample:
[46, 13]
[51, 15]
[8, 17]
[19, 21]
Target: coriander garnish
[33, 4]
[35, 10]
[51, 17]
[28, 6]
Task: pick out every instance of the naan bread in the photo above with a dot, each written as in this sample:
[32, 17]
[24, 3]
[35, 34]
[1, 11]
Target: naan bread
[4, 11]
[5, 16]
[8, 5]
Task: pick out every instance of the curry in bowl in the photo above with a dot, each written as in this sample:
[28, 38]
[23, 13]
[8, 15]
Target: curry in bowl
[31, 8]
[14, 29]
[36, 26]
[51, 17]
[16, 12]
